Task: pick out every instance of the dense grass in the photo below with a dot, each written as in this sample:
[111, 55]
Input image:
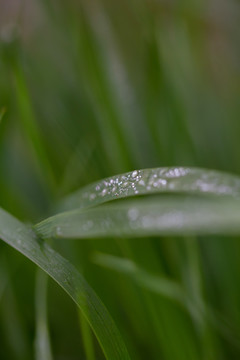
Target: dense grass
[89, 90]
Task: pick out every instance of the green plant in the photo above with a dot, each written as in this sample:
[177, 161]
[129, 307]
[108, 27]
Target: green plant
[93, 89]
[215, 210]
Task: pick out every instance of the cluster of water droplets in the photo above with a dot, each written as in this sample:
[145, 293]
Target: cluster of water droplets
[136, 182]
[147, 181]
[170, 179]
[154, 220]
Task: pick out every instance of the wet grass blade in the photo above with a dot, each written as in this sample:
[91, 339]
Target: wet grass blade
[153, 181]
[169, 215]
[23, 239]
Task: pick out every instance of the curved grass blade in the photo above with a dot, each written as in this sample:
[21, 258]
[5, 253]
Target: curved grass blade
[152, 181]
[23, 239]
[143, 217]
[158, 284]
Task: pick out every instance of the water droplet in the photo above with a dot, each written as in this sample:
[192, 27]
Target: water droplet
[134, 173]
[160, 182]
[176, 172]
[133, 214]
[92, 196]
[104, 192]
[97, 188]
[142, 182]
[88, 225]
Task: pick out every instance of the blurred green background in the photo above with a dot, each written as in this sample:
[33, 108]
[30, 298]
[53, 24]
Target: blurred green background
[89, 89]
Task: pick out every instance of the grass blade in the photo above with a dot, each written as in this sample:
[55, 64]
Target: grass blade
[23, 239]
[43, 349]
[160, 285]
[87, 338]
[152, 181]
[143, 217]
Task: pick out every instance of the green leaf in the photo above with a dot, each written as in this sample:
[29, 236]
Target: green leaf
[167, 215]
[24, 239]
[152, 181]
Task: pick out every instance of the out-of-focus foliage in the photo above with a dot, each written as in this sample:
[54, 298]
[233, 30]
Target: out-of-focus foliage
[89, 89]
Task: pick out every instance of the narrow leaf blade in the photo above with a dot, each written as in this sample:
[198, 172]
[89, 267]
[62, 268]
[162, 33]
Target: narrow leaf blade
[23, 239]
[145, 217]
[153, 181]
